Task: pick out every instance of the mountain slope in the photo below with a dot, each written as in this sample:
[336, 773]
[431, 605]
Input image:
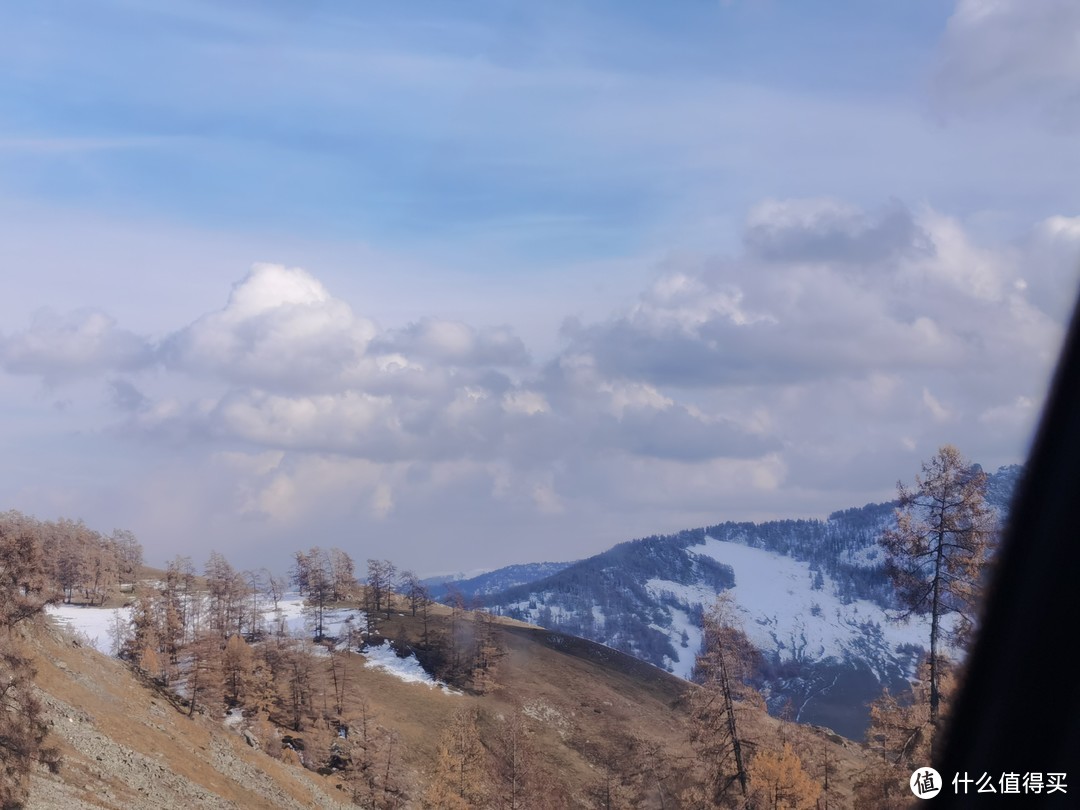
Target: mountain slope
[813, 594]
[490, 582]
[126, 745]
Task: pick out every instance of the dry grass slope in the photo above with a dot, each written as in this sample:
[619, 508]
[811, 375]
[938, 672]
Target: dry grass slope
[584, 706]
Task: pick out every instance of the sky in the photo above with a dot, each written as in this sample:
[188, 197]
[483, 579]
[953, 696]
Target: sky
[465, 285]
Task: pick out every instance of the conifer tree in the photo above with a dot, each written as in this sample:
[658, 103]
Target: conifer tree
[204, 674]
[723, 669]
[513, 760]
[487, 652]
[778, 781]
[24, 592]
[236, 670]
[936, 553]
[901, 734]
[460, 775]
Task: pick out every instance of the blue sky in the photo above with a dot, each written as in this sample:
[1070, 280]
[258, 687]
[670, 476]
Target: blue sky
[553, 274]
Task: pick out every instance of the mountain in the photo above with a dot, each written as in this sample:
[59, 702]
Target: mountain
[813, 595]
[490, 582]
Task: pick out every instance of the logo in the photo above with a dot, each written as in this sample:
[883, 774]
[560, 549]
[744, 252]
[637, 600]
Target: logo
[925, 783]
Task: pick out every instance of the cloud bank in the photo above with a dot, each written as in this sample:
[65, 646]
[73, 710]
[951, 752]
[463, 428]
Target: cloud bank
[803, 373]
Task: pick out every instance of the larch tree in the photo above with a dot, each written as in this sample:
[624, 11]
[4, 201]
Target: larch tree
[461, 778]
[24, 591]
[778, 781]
[415, 591]
[313, 576]
[936, 553]
[204, 676]
[723, 669]
[237, 665]
[342, 574]
[487, 651]
[513, 759]
[900, 733]
[129, 555]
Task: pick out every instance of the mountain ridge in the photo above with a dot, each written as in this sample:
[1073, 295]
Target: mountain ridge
[829, 627]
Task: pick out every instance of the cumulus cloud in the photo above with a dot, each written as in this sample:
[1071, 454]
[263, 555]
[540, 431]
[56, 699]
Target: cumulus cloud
[803, 374]
[455, 343]
[281, 329]
[837, 330]
[62, 347]
[1013, 53]
[824, 230]
[790, 310]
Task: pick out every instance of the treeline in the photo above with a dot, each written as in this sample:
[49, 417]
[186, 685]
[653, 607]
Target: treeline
[220, 640]
[83, 564]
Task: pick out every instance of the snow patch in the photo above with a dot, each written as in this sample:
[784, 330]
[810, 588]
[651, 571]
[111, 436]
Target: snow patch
[94, 623]
[783, 613]
[407, 669]
[233, 718]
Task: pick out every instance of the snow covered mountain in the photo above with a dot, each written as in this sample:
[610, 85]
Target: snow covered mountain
[813, 595]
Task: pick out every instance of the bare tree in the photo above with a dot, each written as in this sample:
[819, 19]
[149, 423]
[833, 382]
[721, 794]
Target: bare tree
[298, 574]
[256, 586]
[313, 575]
[226, 591]
[415, 591]
[381, 575]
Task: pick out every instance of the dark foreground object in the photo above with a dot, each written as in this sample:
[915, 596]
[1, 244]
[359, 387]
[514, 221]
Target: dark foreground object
[1019, 711]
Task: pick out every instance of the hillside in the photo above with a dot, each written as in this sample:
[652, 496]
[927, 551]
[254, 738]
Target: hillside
[590, 712]
[813, 596]
[491, 582]
[127, 745]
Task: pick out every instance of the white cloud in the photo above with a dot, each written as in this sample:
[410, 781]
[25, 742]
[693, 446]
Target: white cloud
[827, 230]
[84, 343]
[526, 402]
[1012, 54]
[805, 373]
[456, 343]
[281, 329]
[938, 411]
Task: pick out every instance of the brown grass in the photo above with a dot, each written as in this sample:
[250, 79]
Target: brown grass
[580, 700]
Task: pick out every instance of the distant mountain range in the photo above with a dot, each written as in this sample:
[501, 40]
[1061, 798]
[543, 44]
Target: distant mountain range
[813, 595]
[491, 582]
